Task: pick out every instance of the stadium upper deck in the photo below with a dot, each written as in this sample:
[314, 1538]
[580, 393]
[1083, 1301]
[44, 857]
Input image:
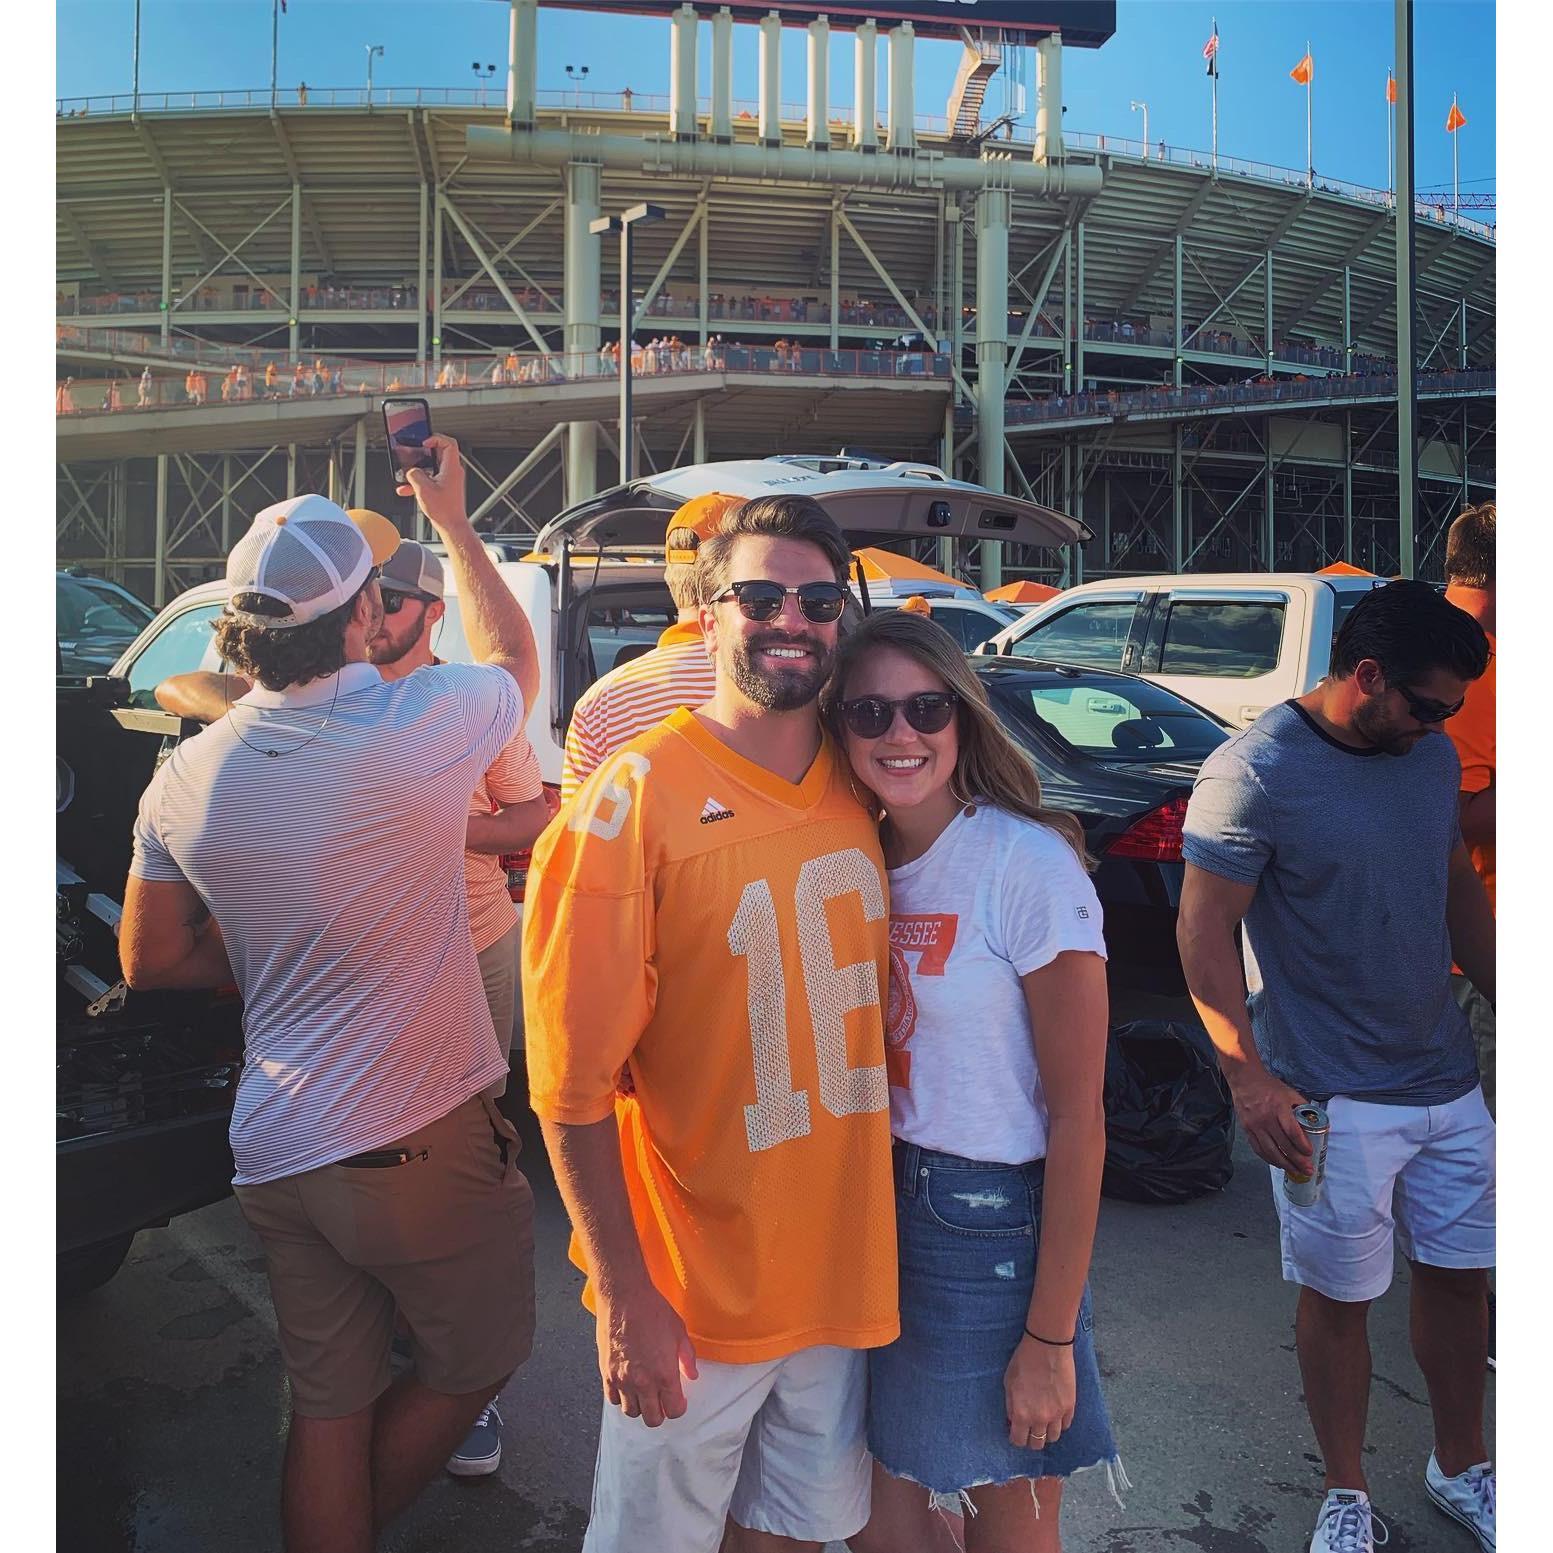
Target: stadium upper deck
[341, 229]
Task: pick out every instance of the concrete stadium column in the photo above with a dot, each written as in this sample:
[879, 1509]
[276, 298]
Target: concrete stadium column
[359, 474]
[1348, 351]
[1078, 315]
[581, 301]
[1348, 486]
[436, 277]
[698, 434]
[1461, 360]
[1267, 309]
[159, 584]
[770, 123]
[1177, 527]
[1179, 361]
[420, 283]
[1269, 514]
[294, 326]
[835, 278]
[1048, 107]
[682, 73]
[167, 266]
[819, 83]
[993, 214]
[291, 470]
[722, 75]
[226, 505]
[901, 124]
[522, 61]
[865, 92]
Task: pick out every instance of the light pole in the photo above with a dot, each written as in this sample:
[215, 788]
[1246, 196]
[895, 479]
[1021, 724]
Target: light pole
[1145, 107]
[623, 224]
[483, 74]
[577, 76]
[373, 50]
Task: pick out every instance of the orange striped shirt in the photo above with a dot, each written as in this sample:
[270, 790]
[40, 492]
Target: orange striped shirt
[633, 698]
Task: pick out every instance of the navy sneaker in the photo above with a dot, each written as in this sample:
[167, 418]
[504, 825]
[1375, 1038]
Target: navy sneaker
[480, 1454]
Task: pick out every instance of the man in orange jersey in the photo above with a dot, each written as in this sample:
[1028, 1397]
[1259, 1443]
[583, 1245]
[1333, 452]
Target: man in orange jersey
[1469, 576]
[639, 694]
[711, 906]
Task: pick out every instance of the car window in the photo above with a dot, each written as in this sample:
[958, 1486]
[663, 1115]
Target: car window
[82, 610]
[1122, 720]
[617, 635]
[1342, 606]
[1093, 634]
[178, 648]
[1224, 639]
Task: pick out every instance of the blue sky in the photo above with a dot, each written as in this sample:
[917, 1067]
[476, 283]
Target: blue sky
[1155, 56]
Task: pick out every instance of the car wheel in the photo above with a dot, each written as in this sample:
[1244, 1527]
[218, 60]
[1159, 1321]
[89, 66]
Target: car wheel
[86, 1268]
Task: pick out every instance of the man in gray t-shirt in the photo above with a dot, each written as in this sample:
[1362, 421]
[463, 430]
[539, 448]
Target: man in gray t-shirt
[1328, 831]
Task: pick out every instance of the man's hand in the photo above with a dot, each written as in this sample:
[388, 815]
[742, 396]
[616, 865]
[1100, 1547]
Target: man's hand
[1265, 1106]
[441, 495]
[643, 1347]
[1040, 1392]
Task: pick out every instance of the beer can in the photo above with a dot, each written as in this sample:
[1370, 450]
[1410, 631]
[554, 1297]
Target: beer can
[1304, 1190]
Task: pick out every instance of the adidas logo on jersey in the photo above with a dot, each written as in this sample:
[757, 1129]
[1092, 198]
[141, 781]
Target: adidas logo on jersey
[714, 811]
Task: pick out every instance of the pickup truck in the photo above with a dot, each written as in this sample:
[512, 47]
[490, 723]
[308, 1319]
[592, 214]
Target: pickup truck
[1233, 642]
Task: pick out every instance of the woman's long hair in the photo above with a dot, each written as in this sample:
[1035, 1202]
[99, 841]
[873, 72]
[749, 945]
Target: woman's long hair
[990, 767]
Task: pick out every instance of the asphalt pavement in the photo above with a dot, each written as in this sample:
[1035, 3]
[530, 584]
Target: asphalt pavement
[172, 1403]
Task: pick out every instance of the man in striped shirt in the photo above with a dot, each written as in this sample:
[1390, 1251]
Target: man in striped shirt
[309, 846]
[638, 695]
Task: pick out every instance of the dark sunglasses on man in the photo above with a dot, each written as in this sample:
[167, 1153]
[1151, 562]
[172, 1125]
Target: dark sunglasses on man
[1426, 710]
[871, 717]
[760, 600]
[394, 600]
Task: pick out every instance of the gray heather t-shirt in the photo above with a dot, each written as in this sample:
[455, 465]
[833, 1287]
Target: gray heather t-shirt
[1348, 957]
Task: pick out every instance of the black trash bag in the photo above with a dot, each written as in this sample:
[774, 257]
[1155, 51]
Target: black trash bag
[1169, 1121]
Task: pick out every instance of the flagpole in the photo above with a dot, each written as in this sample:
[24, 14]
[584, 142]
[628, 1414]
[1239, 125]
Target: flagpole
[274, 50]
[1391, 172]
[1215, 97]
[1310, 162]
[136, 88]
[1455, 161]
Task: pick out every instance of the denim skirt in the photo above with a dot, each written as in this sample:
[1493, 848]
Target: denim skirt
[968, 1233]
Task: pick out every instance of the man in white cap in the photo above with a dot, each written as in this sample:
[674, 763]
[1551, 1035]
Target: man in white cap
[308, 846]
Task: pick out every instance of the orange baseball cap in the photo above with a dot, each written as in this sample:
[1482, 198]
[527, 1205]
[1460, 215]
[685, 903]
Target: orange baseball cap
[703, 515]
[917, 605]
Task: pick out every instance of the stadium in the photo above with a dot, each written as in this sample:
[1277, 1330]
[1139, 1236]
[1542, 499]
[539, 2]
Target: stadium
[1190, 353]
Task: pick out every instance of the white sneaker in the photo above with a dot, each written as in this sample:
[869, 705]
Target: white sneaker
[1347, 1524]
[1468, 1497]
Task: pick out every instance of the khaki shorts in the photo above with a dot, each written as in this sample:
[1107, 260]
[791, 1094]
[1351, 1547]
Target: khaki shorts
[499, 971]
[447, 1238]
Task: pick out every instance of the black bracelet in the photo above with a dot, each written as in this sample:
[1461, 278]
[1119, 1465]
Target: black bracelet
[1050, 1343]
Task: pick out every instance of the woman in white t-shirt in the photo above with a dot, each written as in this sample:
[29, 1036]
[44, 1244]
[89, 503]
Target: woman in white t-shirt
[995, 1050]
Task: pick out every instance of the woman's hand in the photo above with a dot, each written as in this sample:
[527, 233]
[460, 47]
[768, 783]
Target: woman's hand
[1040, 1392]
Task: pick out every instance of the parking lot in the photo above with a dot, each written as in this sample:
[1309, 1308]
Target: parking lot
[170, 1380]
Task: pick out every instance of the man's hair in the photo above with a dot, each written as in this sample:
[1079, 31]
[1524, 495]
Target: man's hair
[681, 575]
[277, 659]
[1410, 628]
[1469, 547]
[770, 517]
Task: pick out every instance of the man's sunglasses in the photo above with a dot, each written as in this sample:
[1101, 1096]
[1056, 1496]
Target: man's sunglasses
[760, 600]
[394, 600]
[870, 717]
[1425, 710]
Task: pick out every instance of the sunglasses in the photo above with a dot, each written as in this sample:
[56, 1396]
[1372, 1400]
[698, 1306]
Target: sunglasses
[1424, 709]
[871, 717]
[394, 601]
[759, 600]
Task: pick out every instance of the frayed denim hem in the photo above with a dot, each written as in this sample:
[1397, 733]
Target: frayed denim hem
[958, 1501]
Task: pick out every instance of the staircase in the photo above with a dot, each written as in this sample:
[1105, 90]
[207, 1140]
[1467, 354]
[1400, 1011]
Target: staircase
[978, 64]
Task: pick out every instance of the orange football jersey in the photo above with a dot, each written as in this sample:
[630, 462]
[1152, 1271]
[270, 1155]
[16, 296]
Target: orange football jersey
[728, 933]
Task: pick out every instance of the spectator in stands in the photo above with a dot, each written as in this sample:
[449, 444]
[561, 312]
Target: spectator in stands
[498, 373]
[201, 387]
[371, 1165]
[338, 381]
[1470, 586]
[270, 375]
[511, 364]
[302, 95]
[445, 375]
[190, 387]
[228, 381]
[298, 381]
[146, 389]
[243, 383]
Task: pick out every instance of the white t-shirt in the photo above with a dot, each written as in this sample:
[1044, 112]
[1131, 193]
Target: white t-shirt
[336, 874]
[995, 897]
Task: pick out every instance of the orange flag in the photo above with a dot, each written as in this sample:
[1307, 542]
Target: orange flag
[1391, 87]
[1455, 119]
[1303, 71]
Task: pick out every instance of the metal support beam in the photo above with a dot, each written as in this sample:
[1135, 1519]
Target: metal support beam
[1327, 278]
[1175, 332]
[698, 433]
[95, 256]
[159, 585]
[1078, 315]
[703, 272]
[522, 61]
[1268, 546]
[1037, 298]
[993, 215]
[228, 253]
[865, 70]
[360, 471]
[1348, 487]
[226, 504]
[528, 462]
[420, 276]
[1161, 249]
[1267, 311]
[769, 125]
[639, 312]
[1348, 342]
[294, 319]
[1407, 378]
[835, 279]
[167, 267]
[436, 276]
[584, 183]
[722, 74]
[445, 203]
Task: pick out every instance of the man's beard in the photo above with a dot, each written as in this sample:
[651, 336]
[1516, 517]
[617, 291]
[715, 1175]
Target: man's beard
[785, 690]
[1387, 739]
[383, 649]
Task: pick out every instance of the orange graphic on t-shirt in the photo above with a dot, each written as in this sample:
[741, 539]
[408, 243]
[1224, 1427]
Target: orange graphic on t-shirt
[930, 938]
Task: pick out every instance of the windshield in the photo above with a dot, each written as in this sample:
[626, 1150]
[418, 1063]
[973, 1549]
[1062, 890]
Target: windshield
[1112, 719]
[82, 610]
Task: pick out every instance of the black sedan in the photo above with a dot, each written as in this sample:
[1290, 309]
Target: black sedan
[1121, 754]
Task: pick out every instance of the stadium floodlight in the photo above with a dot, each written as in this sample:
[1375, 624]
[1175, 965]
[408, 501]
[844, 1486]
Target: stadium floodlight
[373, 50]
[577, 74]
[623, 224]
[1145, 107]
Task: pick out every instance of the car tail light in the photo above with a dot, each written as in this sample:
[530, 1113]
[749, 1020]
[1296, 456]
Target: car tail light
[516, 863]
[1155, 836]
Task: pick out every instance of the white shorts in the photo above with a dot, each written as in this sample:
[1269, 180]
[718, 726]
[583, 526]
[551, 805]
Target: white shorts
[1418, 1176]
[780, 1446]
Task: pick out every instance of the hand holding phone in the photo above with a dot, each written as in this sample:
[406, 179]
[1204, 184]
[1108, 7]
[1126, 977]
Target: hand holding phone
[408, 425]
[439, 492]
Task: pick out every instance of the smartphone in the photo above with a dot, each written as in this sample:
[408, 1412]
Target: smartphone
[408, 425]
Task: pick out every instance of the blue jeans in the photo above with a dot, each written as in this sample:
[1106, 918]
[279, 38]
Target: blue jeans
[968, 1233]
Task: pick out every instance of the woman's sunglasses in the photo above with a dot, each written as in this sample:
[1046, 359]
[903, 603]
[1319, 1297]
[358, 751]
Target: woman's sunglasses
[870, 717]
[759, 600]
[394, 601]
[1424, 709]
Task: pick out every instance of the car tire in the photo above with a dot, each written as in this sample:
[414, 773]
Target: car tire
[86, 1268]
